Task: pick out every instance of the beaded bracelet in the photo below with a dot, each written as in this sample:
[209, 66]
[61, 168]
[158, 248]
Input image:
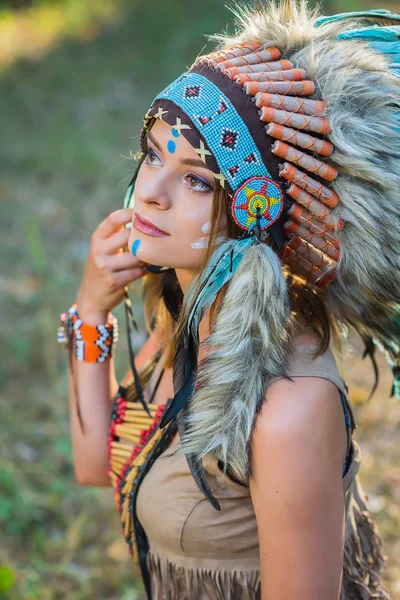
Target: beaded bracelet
[93, 343]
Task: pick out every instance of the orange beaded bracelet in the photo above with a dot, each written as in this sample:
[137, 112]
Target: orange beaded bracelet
[93, 343]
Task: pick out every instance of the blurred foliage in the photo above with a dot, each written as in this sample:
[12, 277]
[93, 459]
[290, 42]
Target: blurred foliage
[34, 31]
[72, 103]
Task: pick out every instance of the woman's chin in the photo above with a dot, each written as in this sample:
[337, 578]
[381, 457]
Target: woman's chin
[144, 250]
[138, 249]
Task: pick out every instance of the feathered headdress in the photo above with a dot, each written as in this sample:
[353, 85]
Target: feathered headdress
[298, 118]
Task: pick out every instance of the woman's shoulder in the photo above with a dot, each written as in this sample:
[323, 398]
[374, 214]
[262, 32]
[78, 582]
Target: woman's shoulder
[304, 407]
[305, 361]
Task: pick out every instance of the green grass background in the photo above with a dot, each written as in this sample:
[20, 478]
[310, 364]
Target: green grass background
[75, 81]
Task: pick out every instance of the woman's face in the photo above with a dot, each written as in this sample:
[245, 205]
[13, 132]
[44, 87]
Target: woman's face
[174, 192]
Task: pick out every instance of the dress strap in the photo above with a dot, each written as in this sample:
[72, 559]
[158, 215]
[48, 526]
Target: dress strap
[153, 393]
[350, 426]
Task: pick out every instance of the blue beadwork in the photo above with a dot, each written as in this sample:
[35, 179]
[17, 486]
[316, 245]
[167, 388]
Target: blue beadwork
[257, 194]
[221, 125]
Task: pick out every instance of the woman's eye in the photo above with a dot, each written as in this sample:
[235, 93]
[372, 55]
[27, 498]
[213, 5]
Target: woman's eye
[150, 156]
[197, 185]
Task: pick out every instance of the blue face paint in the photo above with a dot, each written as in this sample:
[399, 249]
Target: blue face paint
[135, 247]
[175, 133]
[171, 146]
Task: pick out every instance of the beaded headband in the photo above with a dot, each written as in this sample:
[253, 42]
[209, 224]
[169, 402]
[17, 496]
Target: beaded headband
[248, 115]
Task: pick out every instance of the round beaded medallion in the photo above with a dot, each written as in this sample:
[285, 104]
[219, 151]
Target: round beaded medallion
[257, 193]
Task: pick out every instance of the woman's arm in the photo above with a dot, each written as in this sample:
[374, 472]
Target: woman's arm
[298, 448]
[108, 270]
[96, 386]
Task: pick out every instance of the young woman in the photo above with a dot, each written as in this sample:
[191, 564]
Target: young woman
[265, 222]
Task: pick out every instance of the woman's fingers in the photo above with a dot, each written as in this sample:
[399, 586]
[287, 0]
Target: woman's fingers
[113, 243]
[119, 279]
[109, 269]
[118, 262]
[113, 222]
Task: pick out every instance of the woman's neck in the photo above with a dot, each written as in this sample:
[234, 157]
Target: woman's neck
[185, 278]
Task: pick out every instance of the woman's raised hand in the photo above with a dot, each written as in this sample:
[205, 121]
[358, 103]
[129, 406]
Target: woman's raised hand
[110, 267]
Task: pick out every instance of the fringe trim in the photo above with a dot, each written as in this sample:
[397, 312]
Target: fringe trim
[364, 559]
[172, 582]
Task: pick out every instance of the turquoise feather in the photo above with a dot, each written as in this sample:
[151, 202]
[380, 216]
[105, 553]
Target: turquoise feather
[209, 270]
[376, 12]
[385, 40]
[223, 265]
[376, 32]
[392, 49]
[387, 47]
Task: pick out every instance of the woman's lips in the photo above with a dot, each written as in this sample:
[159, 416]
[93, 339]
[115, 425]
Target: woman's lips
[147, 228]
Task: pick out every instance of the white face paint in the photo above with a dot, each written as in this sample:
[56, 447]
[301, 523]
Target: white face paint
[203, 242]
[200, 243]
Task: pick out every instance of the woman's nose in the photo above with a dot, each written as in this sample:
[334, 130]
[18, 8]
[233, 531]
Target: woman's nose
[154, 191]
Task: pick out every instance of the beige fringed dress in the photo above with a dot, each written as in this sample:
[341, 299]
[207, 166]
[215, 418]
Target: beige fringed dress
[198, 553]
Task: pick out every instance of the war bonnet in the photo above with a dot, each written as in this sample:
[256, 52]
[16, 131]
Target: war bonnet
[298, 118]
